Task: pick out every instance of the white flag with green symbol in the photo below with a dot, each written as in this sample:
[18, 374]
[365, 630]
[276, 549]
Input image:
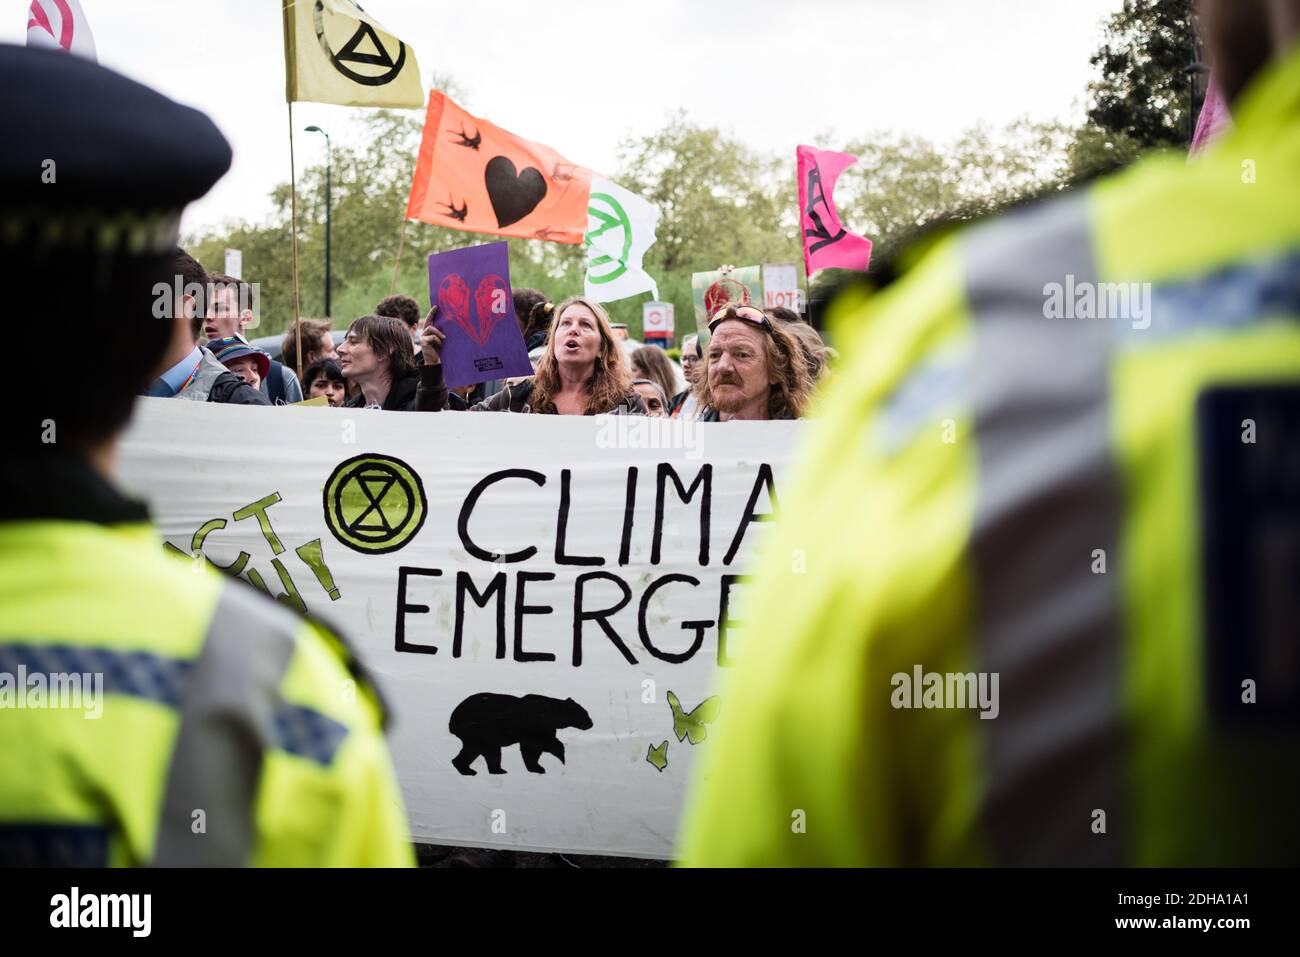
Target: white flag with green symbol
[620, 228]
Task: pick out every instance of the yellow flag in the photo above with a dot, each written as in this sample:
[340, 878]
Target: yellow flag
[335, 52]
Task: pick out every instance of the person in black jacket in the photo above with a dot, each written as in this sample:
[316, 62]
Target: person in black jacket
[376, 355]
[191, 371]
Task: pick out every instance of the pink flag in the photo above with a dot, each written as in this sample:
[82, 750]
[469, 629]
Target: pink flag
[826, 243]
[1214, 119]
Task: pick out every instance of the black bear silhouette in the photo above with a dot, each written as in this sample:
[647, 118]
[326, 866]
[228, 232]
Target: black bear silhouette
[486, 723]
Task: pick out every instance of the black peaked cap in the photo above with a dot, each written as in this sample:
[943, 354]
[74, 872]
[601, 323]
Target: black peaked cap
[117, 145]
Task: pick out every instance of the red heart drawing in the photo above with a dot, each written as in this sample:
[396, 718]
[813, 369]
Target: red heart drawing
[492, 304]
[453, 302]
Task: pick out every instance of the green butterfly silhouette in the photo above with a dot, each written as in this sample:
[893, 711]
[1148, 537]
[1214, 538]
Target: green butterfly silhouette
[658, 755]
[692, 724]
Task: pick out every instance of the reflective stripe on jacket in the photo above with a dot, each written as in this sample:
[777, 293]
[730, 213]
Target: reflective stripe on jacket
[186, 719]
[1059, 455]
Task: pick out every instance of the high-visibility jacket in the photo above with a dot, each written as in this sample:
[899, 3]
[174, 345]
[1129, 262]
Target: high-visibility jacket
[1100, 512]
[226, 730]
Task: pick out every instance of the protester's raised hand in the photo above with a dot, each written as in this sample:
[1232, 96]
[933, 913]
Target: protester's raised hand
[431, 339]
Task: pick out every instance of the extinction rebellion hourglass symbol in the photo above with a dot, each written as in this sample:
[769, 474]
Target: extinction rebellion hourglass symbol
[374, 503]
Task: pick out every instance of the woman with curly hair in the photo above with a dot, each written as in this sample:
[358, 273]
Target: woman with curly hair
[582, 371]
[752, 369]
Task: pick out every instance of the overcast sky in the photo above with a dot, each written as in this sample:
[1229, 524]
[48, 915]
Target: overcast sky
[581, 76]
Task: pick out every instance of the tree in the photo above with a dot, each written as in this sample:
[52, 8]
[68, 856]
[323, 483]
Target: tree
[720, 201]
[903, 183]
[1141, 91]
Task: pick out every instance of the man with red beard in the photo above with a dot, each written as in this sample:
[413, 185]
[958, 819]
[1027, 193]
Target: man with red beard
[752, 369]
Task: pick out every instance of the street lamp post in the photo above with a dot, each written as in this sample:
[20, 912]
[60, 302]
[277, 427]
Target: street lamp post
[329, 164]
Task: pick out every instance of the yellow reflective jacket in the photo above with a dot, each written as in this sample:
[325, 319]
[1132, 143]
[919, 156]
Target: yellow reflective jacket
[1061, 453]
[155, 712]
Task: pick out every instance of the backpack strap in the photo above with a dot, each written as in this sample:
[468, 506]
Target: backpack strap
[275, 383]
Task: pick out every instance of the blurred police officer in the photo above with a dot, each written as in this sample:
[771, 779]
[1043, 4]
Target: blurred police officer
[1034, 597]
[154, 712]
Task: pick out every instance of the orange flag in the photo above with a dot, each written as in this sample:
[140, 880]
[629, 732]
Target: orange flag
[475, 176]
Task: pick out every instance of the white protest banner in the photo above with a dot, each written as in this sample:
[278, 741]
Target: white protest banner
[620, 228]
[538, 596]
[235, 263]
[781, 286]
[657, 320]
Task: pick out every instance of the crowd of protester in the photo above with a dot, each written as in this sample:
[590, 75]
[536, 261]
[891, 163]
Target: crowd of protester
[756, 364]
[1131, 693]
[753, 364]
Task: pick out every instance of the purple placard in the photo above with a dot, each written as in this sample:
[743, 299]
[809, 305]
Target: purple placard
[471, 288]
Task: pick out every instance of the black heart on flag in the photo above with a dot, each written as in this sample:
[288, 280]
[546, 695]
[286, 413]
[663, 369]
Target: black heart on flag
[513, 194]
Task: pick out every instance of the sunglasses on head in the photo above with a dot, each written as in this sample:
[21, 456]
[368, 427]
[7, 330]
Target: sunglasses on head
[746, 313]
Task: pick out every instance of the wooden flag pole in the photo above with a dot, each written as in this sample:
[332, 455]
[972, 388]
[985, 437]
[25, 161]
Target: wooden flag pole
[397, 262]
[293, 245]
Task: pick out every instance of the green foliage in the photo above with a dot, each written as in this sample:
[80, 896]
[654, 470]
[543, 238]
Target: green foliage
[720, 200]
[369, 188]
[902, 184]
[1095, 151]
[1141, 90]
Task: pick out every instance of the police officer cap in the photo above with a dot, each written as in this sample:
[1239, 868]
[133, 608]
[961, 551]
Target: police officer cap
[93, 159]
